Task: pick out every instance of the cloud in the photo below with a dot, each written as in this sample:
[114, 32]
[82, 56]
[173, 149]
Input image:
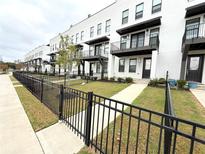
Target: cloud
[26, 24]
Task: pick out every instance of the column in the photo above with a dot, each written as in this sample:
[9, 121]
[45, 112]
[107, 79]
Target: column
[154, 64]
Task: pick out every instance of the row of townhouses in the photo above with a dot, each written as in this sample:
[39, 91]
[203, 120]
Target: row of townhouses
[140, 39]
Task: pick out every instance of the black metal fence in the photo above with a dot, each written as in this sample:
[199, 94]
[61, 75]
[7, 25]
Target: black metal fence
[111, 126]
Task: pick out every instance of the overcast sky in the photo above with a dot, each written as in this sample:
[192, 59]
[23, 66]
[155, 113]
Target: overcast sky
[26, 24]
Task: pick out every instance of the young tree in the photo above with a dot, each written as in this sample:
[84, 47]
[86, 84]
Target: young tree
[68, 55]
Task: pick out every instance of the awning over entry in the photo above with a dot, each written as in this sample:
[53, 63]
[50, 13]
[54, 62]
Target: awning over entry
[97, 40]
[139, 26]
[195, 10]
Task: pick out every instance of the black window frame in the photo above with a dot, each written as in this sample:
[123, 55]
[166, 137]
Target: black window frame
[82, 35]
[92, 31]
[123, 42]
[194, 29]
[98, 67]
[77, 37]
[107, 26]
[153, 38]
[121, 68]
[137, 41]
[125, 19]
[99, 29]
[139, 14]
[156, 8]
[134, 66]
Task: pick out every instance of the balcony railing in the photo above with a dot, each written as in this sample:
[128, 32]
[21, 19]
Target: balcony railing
[195, 31]
[130, 44]
[89, 53]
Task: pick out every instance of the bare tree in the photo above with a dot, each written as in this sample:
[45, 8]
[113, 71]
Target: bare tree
[68, 55]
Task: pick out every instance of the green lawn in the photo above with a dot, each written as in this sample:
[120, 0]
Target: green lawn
[186, 107]
[39, 115]
[106, 89]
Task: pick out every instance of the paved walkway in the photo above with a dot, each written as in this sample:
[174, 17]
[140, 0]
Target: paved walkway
[59, 139]
[16, 133]
[200, 95]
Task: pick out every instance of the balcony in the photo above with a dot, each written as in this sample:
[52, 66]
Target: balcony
[88, 55]
[194, 37]
[131, 48]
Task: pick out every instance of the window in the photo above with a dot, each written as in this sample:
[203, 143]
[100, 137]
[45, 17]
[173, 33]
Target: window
[77, 38]
[154, 37]
[156, 6]
[106, 49]
[137, 40]
[139, 11]
[98, 49]
[91, 31]
[123, 42]
[192, 28]
[107, 26]
[82, 36]
[97, 67]
[132, 65]
[121, 65]
[125, 15]
[72, 39]
[99, 29]
[91, 50]
[105, 67]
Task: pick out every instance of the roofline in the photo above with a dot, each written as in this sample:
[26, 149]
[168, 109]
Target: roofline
[85, 19]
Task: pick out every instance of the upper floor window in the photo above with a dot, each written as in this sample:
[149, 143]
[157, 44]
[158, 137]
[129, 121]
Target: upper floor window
[156, 6]
[192, 28]
[77, 38]
[107, 26]
[98, 49]
[106, 48]
[125, 15]
[137, 40]
[99, 29]
[82, 36]
[91, 31]
[123, 42]
[154, 36]
[72, 38]
[139, 11]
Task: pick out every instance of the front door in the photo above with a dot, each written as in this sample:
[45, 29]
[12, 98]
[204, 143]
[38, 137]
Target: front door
[194, 68]
[146, 68]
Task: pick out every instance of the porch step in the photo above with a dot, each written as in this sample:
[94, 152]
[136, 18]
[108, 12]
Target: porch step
[201, 87]
[141, 81]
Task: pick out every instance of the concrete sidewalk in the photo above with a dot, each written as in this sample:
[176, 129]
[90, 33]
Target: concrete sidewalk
[16, 133]
[200, 95]
[59, 139]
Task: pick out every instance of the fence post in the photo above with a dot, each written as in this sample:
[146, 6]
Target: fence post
[88, 118]
[61, 102]
[167, 133]
[42, 90]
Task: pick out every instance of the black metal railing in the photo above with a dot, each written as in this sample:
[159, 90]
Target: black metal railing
[194, 31]
[111, 126]
[129, 44]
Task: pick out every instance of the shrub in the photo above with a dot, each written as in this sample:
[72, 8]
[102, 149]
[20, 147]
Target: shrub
[95, 78]
[105, 78]
[153, 82]
[129, 80]
[181, 84]
[162, 81]
[120, 79]
[112, 79]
